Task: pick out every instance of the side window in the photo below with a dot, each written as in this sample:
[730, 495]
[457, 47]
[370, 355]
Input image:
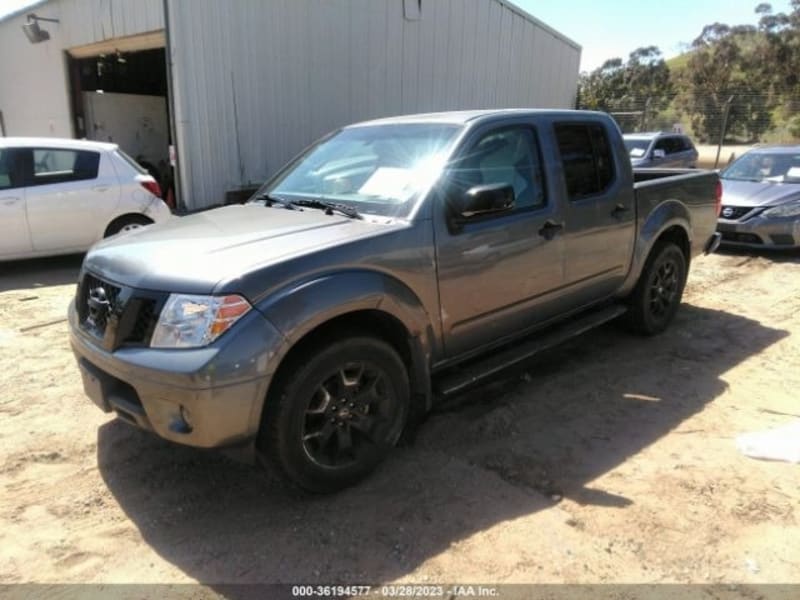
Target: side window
[52, 165]
[604, 161]
[587, 159]
[662, 144]
[8, 170]
[507, 156]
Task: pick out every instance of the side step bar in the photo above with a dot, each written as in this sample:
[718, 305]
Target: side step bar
[477, 371]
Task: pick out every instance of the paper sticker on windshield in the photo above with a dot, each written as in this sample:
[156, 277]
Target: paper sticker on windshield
[637, 152]
[390, 182]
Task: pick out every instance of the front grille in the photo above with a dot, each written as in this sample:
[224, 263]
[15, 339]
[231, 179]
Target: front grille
[94, 290]
[742, 238]
[734, 213]
[117, 315]
[145, 322]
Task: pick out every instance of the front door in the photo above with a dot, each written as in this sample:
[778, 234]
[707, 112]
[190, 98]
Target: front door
[497, 272]
[14, 236]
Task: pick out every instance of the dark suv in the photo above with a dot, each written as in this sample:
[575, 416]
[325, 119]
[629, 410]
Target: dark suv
[661, 150]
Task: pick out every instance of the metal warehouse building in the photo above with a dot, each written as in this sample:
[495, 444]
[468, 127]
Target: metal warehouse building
[238, 88]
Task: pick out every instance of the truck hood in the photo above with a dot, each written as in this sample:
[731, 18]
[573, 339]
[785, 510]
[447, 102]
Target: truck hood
[757, 193]
[193, 254]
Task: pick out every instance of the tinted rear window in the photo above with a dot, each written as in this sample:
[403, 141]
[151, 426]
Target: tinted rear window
[136, 166]
[586, 154]
[7, 169]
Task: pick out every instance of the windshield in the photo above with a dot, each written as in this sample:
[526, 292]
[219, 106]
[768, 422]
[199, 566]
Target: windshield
[777, 167]
[376, 169]
[636, 148]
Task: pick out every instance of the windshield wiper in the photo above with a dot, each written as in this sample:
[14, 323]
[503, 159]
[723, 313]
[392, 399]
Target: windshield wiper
[270, 200]
[329, 207]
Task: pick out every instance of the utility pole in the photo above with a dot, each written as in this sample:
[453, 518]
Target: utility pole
[724, 128]
[643, 125]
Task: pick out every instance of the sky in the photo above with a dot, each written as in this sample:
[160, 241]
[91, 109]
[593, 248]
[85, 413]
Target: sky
[9, 6]
[613, 28]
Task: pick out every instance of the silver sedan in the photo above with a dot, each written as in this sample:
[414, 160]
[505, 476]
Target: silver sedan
[761, 199]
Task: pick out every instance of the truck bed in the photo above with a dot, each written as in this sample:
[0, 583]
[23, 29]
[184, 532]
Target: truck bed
[695, 189]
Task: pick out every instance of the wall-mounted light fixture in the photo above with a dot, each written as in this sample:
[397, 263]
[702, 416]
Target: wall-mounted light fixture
[35, 33]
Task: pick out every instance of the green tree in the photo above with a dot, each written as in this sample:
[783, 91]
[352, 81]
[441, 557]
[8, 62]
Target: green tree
[777, 57]
[722, 66]
[778, 51]
[640, 83]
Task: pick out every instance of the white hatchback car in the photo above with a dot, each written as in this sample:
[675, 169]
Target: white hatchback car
[60, 196]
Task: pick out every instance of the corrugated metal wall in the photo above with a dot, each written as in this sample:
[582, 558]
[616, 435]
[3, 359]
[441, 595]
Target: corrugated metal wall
[34, 94]
[91, 21]
[255, 82]
[33, 80]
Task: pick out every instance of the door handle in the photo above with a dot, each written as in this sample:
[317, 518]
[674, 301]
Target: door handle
[619, 210]
[100, 188]
[550, 229]
[9, 201]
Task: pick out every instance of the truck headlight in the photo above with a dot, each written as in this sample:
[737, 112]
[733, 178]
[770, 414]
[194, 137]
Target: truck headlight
[785, 210]
[189, 321]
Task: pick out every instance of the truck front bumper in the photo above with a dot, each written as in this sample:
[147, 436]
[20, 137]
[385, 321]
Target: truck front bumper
[204, 397]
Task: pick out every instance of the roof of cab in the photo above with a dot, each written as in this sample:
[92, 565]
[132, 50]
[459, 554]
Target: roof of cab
[462, 117]
[47, 142]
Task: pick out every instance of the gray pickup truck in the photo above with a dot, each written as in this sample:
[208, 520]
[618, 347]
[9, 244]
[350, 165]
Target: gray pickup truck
[392, 263]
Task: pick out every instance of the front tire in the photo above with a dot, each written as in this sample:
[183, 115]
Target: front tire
[336, 414]
[658, 293]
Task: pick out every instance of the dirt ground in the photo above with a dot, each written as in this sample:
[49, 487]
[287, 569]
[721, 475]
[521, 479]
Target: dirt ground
[612, 459]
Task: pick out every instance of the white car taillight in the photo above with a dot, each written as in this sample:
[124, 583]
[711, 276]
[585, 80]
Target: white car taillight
[152, 187]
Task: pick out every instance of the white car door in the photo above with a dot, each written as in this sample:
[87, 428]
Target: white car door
[15, 238]
[70, 196]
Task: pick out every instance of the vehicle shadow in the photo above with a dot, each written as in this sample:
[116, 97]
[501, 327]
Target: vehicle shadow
[788, 255]
[40, 272]
[500, 452]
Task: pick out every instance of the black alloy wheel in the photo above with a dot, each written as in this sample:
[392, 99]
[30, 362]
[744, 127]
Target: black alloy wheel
[348, 414]
[655, 299]
[335, 413]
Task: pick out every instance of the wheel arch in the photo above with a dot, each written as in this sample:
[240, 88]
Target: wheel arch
[669, 222]
[361, 303]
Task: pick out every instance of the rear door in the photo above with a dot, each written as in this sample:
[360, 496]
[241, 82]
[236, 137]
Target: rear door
[71, 195]
[688, 153]
[599, 214]
[498, 274]
[14, 236]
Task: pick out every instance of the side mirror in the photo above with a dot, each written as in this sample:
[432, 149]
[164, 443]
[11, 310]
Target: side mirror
[659, 154]
[482, 200]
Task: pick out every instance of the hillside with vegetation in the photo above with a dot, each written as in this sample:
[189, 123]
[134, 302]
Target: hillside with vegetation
[750, 72]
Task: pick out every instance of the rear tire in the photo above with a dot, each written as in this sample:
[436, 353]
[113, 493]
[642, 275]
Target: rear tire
[657, 295]
[336, 414]
[127, 223]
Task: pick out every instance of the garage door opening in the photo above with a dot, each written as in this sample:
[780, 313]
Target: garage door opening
[122, 97]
